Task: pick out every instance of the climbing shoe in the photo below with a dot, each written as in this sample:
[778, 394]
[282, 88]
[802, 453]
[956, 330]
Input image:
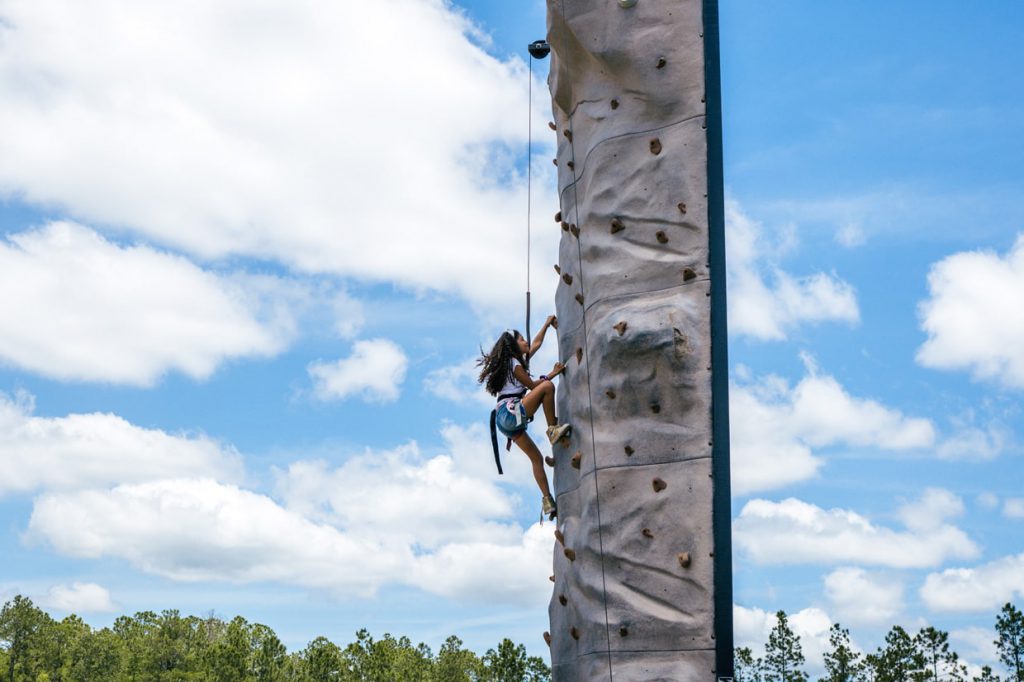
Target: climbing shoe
[548, 507]
[557, 432]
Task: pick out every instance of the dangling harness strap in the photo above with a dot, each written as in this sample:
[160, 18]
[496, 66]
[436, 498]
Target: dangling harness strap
[494, 429]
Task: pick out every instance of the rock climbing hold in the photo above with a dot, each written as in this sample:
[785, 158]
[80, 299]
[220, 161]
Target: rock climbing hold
[567, 278]
[568, 135]
[551, 124]
[550, 461]
[617, 225]
[662, 237]
[558, 217]
[574, 633]
[658, 485]
[576, 460]
[575, 230]
[684, 559]
[547, 638]
[558, 268]
[554, 161]
[559, 537]
[615, 104]
[655, 146]
[626, 4]
[688, 274]
[621, 327]
[579, 355]
[655, 408]
[551, 578]
[682, 207]
[565, 226]
[703, 99]
[662, 62]
[629, 451]
[610, 393]
[623, 631]
[571, 165]
[570, 554]
[647, 533]
[563, 600]
[579, 298]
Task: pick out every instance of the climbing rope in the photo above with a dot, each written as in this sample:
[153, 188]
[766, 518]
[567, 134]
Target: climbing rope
[586, 346]
[538, 49]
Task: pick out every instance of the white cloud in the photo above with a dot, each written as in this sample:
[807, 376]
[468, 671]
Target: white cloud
[987, 500]
[87, 450]
[300, 150]
[973, 444]
[972, 316]
[439, 523]
[1013, 508]
[458, 384]
[862, 598]
[775, 428]
[75, 306]
[78, 598]
[764, 301]
[851, 235]
[983, 588]
[374, 372]
[795, 532]
[975, 644]
[753, 625]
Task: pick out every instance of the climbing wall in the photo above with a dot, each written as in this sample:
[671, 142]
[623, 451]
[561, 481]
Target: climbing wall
[634, 566]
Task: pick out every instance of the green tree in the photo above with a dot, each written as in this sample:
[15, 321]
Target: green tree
[269, 656]
[97, 656]
[986, 675]
[227, 659]
[1010, 642]
[456, 664]
[899, 661]
[747, 668]
[939, 663]
[783, 656]
[21, 624]
[842, 663]
[321, 661]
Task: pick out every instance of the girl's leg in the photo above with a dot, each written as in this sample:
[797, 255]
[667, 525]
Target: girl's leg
[542, 394]
[527, 445]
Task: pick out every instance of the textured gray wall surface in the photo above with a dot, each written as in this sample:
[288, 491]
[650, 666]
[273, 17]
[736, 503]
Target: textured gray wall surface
[633, 560]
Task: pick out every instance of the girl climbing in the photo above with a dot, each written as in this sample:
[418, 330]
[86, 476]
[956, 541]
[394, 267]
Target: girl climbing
[504, 372]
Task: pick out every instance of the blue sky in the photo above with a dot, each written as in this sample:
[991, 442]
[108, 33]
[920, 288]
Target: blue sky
[249, 252]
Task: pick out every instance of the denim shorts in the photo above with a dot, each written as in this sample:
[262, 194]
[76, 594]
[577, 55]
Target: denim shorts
[506, 419]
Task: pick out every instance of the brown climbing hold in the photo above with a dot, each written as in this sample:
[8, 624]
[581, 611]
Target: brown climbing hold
[688, 274]
[579, 298]
[563, 600]
[658, 485]
[550, 461]
[559, 537]
[629, 451]
[623, 631]
[576, 459]
[647, 533]
[579, 355]
[558, 217]
[568, 135]
[574, 633]
[662, 62]
[551, 578]
[554, 161]
[570, 554]
[571, 165]
[565, 226]
[610, 393]
[621, 327]
[567, 278]
[547, 638]
[551, 124]
[655, 146]
[558, 268]
[615, 104]
[575, 230]
[662, 237]
[655, 408]
[682, 207]
[684, 559]
[617, 225]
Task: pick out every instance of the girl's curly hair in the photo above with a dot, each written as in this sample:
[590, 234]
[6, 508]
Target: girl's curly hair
[496, 365]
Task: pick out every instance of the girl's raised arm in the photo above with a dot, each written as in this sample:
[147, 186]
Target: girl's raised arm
[552, 321]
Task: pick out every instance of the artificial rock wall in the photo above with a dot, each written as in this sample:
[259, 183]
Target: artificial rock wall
[633, 561]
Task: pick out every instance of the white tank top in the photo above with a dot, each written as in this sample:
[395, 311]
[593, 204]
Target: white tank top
[512, 384]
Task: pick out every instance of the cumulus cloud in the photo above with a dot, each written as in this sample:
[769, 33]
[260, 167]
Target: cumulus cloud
[972, 315]
[775, 428]
[458, 384]
[982, 588]
[78, 598]
[297, 151]
[766, 302]
[374, 371]
[973, 444]
[76, 306]
[88, 450]
[862, 598]
[795, 532]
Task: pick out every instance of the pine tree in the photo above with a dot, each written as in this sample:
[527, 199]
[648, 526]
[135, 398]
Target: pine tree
[783, 657]
[899, 661]
[986, 675]
[1010, 628]
[939, 662]
[747, 668]
[842, 663]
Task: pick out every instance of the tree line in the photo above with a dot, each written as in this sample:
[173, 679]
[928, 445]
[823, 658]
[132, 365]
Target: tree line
[169, 647]
[923, 657]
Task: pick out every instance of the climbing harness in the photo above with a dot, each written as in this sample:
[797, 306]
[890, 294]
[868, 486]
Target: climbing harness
[515, 408]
